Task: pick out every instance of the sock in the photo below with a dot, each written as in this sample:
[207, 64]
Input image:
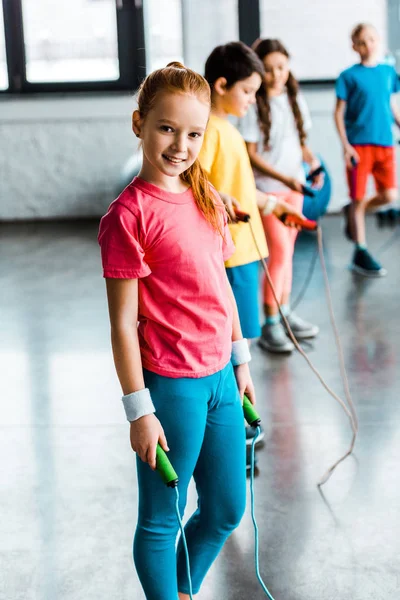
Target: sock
[272, 319]
[361, 246]
[285, 308]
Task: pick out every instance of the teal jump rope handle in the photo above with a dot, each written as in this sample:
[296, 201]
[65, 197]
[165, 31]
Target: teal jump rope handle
[250, 414]
[164, 467]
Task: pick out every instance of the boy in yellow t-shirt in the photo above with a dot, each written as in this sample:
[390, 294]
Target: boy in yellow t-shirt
[234, 73]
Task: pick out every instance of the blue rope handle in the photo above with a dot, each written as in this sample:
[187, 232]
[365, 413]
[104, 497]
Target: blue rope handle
[184, 543]
[256, 536]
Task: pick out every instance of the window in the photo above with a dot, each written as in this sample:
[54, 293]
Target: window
[317, 34]
[163, 33]
[187, 30]
[206, 24]
[73, 46]
[76, 42]
[3, 61]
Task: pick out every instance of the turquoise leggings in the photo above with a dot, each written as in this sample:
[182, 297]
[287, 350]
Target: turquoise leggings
[203, 422]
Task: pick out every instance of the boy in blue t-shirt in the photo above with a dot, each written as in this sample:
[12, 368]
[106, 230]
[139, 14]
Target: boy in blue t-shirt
[364, 116]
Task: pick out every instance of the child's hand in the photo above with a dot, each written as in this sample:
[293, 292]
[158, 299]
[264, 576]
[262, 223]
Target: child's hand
[317, 181]
[146, 432]
[230, 205]
[284, 208]
[245, 383]
[349, 153]
[294, 184]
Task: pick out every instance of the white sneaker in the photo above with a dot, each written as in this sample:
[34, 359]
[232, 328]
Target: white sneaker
[273, 338]
[302, 329]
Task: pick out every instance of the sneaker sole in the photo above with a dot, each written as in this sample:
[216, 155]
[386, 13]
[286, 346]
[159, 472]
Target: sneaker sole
[260, 438]
[366, 273]
[312, 333]
[275, 349]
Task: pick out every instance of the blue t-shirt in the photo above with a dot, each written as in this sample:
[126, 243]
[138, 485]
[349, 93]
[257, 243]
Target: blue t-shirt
[367, 91]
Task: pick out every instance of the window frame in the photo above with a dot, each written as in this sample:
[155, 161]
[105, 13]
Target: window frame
[131, 53]
[131, 50]
[250, 30]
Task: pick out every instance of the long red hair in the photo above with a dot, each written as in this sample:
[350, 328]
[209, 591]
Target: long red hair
[177, 78]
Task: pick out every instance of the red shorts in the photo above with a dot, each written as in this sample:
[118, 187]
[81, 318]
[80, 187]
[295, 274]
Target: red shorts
[378, 161]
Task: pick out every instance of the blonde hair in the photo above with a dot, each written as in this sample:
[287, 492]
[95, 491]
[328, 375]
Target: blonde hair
[178, 79]
[356, 31]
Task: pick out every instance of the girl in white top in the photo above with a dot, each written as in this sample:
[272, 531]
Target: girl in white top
[275, 134]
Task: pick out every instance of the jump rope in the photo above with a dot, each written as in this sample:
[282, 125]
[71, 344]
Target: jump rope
[164, 466]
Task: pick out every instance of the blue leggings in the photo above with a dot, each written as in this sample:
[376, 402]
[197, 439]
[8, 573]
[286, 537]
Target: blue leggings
[203, 422]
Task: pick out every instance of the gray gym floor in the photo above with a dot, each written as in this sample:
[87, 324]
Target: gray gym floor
[67, 474]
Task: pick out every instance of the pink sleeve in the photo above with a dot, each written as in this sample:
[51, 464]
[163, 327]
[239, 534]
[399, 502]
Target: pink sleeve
[122, 254]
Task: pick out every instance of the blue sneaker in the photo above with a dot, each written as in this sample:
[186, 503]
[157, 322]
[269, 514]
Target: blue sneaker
[366, 265]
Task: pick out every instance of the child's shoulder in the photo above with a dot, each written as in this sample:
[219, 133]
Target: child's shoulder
[222, 127]
[222, 139]
[129, 200]
[351, 71]
[358, 70]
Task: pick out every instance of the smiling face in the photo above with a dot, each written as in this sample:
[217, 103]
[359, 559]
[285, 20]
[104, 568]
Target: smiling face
[366, 44]
[276, 67]
[236, 99]
[172, 134]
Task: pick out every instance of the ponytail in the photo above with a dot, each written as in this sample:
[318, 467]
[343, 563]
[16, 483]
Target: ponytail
[196, 177]
[293, 90]
[264, 114]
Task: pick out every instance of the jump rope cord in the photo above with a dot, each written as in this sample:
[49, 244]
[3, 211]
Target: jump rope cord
[178, 514]
[350, 413]
[256, 536]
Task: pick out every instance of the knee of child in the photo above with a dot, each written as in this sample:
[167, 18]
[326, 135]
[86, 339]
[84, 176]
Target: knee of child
[159, 527]
[232, 516]
[389, 196]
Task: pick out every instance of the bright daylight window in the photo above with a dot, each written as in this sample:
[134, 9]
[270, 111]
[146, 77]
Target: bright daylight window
[70, 41]
[317, 33]
[185, 28]
[3, 62]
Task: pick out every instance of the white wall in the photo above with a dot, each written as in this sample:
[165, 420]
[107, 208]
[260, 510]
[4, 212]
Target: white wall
[63, 156]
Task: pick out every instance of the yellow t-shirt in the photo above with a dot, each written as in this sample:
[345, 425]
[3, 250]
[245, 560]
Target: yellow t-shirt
[226, 162]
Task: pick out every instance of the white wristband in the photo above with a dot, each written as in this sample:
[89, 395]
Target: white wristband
[269, 205]
[240, 352]
[138, 404]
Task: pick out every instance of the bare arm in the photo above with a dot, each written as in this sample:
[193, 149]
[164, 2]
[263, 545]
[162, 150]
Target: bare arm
[261, 165]
[313, 162]
[395, 110]
[122, 296]
[339, 121]
[242, 372]
[348, 149]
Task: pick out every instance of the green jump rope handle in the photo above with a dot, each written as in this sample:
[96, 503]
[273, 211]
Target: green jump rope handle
[250, 413]
[164, 467]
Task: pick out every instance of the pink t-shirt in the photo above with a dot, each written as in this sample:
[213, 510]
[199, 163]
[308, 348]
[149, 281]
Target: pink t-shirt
[185, 314]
